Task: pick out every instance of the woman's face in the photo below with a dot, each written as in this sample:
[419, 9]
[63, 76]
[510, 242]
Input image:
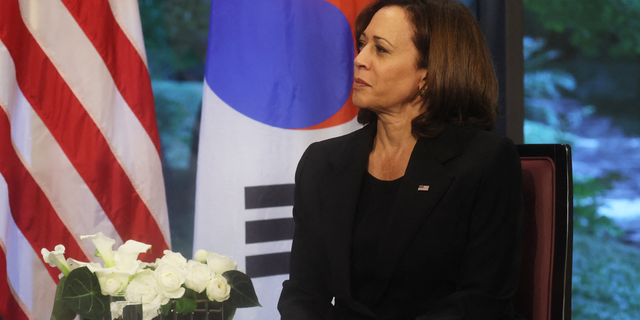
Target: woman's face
[386, 75]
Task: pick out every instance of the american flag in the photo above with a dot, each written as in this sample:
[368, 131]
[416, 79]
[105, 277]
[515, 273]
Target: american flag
[79, 144]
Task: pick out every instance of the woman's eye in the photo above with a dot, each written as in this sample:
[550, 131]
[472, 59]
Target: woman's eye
[381, 49]
[360, 45]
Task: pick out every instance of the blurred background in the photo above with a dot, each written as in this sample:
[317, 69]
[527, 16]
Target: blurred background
[582, 87]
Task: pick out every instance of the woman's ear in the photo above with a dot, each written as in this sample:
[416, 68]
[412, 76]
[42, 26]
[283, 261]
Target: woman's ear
[423, 83]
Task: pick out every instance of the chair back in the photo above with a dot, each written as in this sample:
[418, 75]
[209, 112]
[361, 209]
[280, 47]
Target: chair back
[545, 281]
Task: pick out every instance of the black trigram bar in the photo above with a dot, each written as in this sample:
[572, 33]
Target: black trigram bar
[257, 197]
[265, 265]
[277, 195]
[269, 230]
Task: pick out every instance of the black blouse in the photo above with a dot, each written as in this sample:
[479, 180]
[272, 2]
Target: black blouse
[374, 208]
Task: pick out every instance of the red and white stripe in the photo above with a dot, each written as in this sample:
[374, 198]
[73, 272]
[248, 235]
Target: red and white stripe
[79, 144]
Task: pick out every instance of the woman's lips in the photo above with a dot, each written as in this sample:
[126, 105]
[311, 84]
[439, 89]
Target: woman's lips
[359, 83]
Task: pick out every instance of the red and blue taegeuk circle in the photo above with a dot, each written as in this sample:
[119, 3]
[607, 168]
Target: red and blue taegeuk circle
[284, 63]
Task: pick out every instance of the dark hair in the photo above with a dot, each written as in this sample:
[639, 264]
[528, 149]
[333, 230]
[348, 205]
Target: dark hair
[461, 83]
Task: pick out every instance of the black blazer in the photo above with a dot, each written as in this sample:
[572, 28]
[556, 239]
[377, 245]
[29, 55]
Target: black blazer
[452, 252]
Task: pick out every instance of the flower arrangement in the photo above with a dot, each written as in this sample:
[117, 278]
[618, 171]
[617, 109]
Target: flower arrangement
[84, 288]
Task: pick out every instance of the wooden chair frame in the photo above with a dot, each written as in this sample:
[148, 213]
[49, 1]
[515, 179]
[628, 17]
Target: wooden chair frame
[546, 293]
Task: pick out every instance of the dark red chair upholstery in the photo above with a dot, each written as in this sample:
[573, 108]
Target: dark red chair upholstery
[545, 281]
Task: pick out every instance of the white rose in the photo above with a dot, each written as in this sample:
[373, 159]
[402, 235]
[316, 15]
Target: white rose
[219, 263]
[201, 256]
[170, 280]
[113, 281]
[218, 289]
[174, 259]
[144, 289]
[111, 284]
[198, 276]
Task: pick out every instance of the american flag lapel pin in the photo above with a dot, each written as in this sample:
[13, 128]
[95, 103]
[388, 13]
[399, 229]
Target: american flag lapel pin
[423, 187]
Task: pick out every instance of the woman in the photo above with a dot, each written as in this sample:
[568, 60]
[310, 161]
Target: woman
[418, 214]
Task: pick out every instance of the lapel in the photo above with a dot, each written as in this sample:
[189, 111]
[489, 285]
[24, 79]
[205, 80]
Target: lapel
[412, 206]
[339, 200]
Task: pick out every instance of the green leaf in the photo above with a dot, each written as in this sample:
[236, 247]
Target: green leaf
[228, 311]
[166, 308]
[243, 295]
[81, 292]
[185, 305]
[61, 310]
[202, 295]
[193, 295]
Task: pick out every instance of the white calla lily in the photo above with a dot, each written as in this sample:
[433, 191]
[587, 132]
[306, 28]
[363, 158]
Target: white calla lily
[56, 258]
[74, 264]
[148, 265]
[104, 247]
[126, 258]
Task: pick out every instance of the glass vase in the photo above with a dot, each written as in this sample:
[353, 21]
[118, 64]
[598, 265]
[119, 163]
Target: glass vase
[121, 309]
[205, 310]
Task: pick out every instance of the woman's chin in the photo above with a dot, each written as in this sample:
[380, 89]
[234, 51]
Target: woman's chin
[359, 102]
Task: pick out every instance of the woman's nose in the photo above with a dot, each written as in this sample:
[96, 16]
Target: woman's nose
[361, 60]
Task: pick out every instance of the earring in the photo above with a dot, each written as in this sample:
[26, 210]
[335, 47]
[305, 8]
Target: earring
[422, 91]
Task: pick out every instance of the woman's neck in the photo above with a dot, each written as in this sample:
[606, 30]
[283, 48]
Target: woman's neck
[392, 149]
[394, 133]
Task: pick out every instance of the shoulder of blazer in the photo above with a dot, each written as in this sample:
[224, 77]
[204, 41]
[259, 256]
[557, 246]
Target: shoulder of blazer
[342, 150]
[456, 140]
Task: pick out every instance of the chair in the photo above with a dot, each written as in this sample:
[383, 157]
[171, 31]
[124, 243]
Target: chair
[545, 281]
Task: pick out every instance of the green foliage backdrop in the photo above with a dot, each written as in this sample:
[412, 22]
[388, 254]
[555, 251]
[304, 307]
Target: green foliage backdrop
[175, 36]
[571, 48]
[598, 27]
